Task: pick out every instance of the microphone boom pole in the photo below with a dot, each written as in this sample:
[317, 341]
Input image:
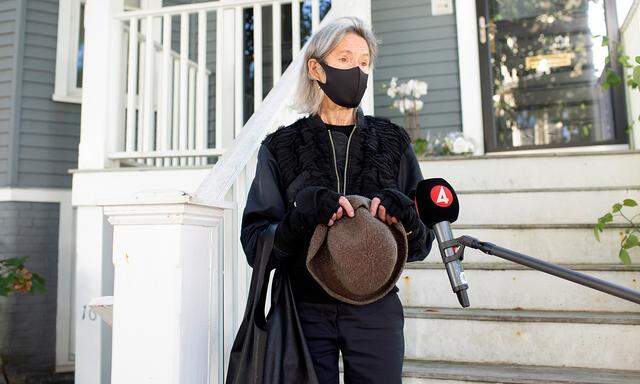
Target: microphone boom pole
[550, 268]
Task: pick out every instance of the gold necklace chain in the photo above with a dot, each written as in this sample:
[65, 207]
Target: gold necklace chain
[346, 162]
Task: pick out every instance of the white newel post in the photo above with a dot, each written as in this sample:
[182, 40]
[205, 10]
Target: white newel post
[167, 255]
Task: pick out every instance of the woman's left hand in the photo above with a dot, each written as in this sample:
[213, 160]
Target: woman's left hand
[391, 206]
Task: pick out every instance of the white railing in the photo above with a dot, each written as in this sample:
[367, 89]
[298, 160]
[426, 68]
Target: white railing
[166, 99]
[141, 126]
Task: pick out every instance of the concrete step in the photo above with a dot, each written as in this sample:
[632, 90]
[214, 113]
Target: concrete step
[555, 243]
[512, 286]
[506, 172]
[423, 372]
[542, 206]
[601, 340]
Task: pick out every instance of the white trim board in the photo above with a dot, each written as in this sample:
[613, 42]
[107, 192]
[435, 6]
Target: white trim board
[469, 72]
[64, 325]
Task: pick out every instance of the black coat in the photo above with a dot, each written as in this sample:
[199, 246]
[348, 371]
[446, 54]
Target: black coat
[301, 154]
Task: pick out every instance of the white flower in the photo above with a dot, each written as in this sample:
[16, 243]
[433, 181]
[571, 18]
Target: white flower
[419, 104]
[392, 92]
[459, 143]
[419, 89]
[399, 104]
[408, 104]
[393, 87]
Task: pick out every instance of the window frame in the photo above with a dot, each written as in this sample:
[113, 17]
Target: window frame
[65, 88]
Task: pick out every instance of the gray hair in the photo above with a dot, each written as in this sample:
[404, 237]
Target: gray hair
[308, 95]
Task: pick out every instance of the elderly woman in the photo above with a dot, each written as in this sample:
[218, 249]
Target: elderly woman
[303, 174]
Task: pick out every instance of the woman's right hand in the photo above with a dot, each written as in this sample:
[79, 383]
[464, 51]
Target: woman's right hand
[312, 206]
[320, 205]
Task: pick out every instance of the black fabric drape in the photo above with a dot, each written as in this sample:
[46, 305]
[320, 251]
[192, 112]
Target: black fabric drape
[271, 349]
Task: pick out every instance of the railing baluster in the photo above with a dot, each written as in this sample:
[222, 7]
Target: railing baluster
[139, 93]
[315, 15]
[184, 74]
[295, 28]
[201, 86]
[239, 70]
[277, 41]
[219, 58]
[175, 131]
[132, 81]
[147, 94]
[257, 56]
[165, 104]
[192, 113]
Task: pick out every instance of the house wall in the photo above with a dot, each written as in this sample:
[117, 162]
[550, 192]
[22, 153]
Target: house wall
[415, 44]
[28, 322]
[7, 74]
[49, 131]
[38, 137]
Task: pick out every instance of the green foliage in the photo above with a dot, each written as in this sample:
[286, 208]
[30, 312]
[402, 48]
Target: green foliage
[629, 237]
[14, 276]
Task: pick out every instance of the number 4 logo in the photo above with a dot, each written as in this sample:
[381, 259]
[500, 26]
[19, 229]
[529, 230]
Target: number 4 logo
[441, 196]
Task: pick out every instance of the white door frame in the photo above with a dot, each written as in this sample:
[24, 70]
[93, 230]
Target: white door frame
[471, 91]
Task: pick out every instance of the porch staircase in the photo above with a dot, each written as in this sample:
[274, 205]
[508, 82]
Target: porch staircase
[524, 326]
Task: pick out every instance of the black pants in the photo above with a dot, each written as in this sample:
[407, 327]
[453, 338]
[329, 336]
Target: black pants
[370, 336]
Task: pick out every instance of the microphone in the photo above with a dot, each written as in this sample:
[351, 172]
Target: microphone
[438, 207]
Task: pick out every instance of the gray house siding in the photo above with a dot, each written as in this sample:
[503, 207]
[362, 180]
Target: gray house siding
[39, 138]
[8, 11]
[28, 322]
[49, 131]
[415, 44]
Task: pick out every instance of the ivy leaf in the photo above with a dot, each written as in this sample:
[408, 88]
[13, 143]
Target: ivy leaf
[606, 218]
[632, 241]
[629, 202]
[616, 207]
[595, 232]
[637, 59]
[624, 256]
[624, 60]
[605, 41]
[636, 74]
[611, 79]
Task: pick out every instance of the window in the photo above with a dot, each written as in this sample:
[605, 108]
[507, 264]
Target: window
[70, 49]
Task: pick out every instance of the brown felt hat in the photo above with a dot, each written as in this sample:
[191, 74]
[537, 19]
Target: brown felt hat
[358, 259]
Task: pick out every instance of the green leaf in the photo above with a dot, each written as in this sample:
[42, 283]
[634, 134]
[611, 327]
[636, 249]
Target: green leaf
[612, 78]
[636, 74]
[624, 256]
[605, 41]
[637, 59]
[607, 218]
[595, 233]
[629, 202]
[624, 60]
[632, 241]
[15, 261]
[616, 207]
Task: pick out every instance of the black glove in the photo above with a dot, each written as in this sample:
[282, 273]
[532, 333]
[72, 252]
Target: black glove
[313, 205]
[402, 207]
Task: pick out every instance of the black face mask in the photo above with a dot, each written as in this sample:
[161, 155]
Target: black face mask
[344, 87]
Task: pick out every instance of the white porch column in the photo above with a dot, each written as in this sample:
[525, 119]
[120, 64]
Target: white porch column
[99, 127]
[167, 255]
[102, 89]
